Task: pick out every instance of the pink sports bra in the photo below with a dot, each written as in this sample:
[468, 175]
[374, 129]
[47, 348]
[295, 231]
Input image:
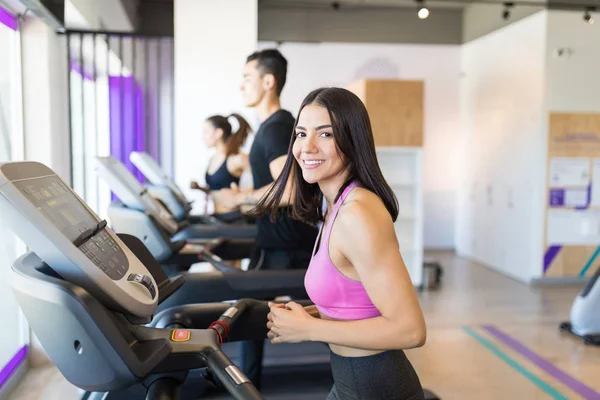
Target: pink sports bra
[334, 294]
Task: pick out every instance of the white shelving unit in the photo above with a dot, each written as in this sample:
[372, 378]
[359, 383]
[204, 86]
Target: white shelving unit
[402, 168]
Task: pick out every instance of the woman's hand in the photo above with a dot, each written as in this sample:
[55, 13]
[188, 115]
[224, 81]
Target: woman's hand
[288, 323]
[194, 185]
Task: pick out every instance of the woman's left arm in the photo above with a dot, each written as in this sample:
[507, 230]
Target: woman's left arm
[370, 245]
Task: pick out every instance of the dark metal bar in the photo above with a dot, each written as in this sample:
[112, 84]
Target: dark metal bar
[83, 150]
[114, 33]
[146, 90]
[158, 102]
[172, 135]
[121, 100]
[96, 129]
[70, 122]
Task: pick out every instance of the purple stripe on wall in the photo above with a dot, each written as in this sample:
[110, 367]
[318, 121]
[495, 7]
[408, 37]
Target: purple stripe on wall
[12, 365]
[550, 256]
[9, 20]
[121, 126]
[123, 139]
[583, 390]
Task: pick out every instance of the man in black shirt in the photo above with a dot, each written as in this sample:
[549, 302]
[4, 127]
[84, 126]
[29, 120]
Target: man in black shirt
[287, 243]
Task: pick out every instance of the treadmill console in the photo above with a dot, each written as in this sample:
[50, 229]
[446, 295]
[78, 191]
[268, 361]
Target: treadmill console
[131, 192]
[54, 200]
[155, 174]
[103, 251]
[68, 236]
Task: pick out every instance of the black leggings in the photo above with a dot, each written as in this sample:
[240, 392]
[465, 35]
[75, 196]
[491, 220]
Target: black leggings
[383, 376]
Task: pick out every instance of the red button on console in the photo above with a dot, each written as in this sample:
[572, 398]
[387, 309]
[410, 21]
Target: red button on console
[179, 335]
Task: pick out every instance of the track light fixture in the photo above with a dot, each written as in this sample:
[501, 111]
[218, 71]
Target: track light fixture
[587, 17]
[506, 11]
[423, 10]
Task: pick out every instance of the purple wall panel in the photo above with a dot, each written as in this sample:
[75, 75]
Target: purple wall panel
[8, 20]
[123, 91]
[13, 364]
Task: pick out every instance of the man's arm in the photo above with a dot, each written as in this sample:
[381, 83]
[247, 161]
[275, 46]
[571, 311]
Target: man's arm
[252, 196]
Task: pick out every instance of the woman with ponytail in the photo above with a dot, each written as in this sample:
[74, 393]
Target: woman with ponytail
[228, 163]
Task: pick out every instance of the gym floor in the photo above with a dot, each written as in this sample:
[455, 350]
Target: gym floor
[489, 337]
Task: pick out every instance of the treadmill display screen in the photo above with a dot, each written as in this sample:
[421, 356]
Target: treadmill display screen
[56, 202]
[53, 199]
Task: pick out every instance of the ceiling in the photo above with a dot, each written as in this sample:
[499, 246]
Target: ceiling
[346, 5]
[390, 4]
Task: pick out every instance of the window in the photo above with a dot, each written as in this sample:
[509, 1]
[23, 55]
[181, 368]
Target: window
[13, 339]
[121, 97]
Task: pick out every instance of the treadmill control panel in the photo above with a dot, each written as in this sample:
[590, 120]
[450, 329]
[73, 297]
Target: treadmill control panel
[105, 253]
[66, 235]
[54, 200]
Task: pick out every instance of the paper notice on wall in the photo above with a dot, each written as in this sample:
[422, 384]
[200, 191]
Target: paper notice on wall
[569, 171]
[571, 227]
[576, 197]
[560, 197]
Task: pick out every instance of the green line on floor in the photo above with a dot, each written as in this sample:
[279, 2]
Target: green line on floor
[555, 394]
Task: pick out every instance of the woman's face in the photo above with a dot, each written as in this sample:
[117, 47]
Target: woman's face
[211, 135]
[314, 148]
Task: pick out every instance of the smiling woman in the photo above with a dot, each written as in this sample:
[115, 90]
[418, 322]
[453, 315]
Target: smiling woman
[366, 308]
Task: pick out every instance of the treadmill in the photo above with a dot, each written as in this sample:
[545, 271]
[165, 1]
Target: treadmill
[90, 299]
[170, 242]
[132, 194]
[584, 319]
[91, 296]
[165, 189]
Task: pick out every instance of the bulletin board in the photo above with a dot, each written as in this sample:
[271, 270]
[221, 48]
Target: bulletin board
[572, 215]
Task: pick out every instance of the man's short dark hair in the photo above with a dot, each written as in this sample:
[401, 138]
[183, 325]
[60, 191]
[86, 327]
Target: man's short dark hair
[271, 61]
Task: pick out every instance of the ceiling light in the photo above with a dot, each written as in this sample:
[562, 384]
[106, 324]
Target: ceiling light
[423, 11]
[506, 11]
[587, 17]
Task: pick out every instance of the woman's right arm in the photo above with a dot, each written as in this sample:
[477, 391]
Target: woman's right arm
[313, 311]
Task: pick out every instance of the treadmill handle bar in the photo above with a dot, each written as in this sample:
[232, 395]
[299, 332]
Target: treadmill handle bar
[232, 377]
[228, 319]
[234, 380]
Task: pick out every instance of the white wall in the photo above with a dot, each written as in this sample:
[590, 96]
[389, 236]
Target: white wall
[45, 97]
[212, 41]
[500, 217]
[572, 82]
[338, 64]
[45, 108]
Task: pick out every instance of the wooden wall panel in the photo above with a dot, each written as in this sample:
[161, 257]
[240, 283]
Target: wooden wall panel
[573, 137]
[396, 110]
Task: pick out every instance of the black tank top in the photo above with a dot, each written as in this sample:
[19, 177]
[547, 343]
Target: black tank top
[221, 179]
